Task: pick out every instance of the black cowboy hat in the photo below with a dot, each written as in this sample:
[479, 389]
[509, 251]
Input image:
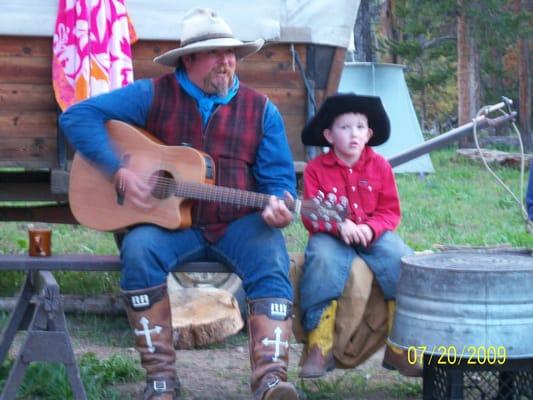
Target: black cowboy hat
[340, 103]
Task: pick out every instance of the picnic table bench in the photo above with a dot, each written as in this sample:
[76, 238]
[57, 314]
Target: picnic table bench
[39, 311]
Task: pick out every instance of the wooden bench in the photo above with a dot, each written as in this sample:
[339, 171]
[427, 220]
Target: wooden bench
[39, 311]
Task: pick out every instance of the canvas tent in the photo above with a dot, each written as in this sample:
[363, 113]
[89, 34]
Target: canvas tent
[388, 82]
[290, 21]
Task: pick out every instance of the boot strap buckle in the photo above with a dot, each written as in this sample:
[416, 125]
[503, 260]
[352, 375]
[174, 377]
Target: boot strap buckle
[273, 382]
[160, 386]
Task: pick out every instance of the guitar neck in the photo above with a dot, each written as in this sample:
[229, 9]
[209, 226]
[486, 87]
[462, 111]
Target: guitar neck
[221, 194]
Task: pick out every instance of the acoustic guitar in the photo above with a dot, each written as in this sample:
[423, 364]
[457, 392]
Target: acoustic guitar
[177, 175]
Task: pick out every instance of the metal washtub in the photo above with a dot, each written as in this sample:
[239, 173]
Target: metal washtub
[460, 299]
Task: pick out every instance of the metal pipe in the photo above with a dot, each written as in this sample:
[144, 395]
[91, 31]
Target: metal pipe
[448, 137]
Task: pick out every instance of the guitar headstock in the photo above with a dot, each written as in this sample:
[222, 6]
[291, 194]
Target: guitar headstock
[325, 208]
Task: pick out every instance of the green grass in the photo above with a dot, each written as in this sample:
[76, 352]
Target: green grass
[354, 384]
[48, 381]
[461, 204]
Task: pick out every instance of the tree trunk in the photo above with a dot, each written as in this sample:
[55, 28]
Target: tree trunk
[524, 84]
[363, 37]
[467, 71]
[388, 28]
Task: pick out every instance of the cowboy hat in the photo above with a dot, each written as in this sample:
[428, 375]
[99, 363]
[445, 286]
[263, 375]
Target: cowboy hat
[340, 103]
[202, 30]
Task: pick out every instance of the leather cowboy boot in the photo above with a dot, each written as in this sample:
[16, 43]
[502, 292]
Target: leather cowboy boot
[269, 331]
[319, 357]
[395, 358]
[148, 313]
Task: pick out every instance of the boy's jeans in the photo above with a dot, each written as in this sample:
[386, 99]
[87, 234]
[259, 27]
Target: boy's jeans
[327, 266]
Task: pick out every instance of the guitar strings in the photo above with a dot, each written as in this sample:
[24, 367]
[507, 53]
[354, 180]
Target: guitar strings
[171, 184]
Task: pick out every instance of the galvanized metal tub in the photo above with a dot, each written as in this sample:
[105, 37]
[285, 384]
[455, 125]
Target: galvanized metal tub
[464, 300]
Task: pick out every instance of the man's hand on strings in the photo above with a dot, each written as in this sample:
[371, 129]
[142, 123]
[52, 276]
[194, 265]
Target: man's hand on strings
[133, 188]
[276, 214]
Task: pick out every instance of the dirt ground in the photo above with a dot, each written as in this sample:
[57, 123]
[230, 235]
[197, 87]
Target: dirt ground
[223, 373]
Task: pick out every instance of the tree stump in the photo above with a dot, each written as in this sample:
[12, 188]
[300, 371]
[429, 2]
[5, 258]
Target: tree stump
[201, 316]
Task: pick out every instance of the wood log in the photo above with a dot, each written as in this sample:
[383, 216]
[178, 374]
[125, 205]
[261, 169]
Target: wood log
[101, 304]
[201, 316]
[498, 248]
[497, 156]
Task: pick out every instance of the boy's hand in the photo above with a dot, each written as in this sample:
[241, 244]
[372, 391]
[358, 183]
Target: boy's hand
[351, 233]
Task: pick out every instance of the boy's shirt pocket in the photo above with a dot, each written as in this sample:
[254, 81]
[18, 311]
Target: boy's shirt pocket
[369, 190]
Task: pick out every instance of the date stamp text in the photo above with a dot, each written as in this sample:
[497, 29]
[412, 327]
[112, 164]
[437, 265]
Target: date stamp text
[453, 355]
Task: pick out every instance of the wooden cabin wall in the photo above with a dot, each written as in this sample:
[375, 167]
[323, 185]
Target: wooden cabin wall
[28, 111]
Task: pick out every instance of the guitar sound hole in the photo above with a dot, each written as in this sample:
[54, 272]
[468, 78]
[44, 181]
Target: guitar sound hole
[163, 184]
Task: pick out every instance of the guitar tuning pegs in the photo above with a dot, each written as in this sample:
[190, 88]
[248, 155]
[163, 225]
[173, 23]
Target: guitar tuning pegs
[326, 218]
[332, 198]
[343, 200]
[320, 195]
[338, 218]
[328, 204]
[313, 217]
[328, 226]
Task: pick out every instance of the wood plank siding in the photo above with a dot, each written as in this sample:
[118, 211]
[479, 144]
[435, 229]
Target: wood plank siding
[28, 111]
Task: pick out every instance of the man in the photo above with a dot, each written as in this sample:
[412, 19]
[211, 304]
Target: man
[202, 104]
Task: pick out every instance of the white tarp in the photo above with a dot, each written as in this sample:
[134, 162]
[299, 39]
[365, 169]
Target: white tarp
[294, 21]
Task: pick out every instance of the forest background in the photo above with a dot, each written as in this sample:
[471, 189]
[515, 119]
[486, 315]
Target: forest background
[459, 55]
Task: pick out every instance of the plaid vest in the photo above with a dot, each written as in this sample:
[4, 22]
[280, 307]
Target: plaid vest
[231, 137]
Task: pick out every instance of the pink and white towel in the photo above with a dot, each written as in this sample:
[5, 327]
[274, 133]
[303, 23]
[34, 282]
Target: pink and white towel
[91, 49]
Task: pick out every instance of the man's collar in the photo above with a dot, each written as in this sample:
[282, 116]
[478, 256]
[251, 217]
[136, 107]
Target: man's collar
[194, 91]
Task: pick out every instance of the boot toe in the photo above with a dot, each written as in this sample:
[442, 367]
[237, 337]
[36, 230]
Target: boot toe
[394, 360]
[282, 391]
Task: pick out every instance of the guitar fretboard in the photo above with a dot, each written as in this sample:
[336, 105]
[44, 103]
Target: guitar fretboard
[221, 194]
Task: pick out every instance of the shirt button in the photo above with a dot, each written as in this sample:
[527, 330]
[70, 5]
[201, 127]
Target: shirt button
[359, 219]
[350, 170]
[355, 206]
[334, 190]
[353, 188]
[369, 188]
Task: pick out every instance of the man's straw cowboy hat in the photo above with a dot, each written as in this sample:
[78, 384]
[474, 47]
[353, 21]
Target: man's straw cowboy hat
[202, 30]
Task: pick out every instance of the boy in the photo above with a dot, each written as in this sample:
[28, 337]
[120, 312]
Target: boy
[353, 175]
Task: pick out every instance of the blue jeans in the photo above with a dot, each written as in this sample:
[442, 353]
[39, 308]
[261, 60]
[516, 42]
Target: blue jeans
[254, 251]
[327, 265]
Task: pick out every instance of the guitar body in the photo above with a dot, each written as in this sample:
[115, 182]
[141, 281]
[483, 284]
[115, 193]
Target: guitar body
[95, 202]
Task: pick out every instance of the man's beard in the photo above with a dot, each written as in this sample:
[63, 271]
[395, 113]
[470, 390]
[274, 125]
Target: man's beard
[214, 84]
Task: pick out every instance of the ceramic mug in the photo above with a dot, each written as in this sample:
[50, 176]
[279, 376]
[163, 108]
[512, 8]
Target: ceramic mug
[40, 242]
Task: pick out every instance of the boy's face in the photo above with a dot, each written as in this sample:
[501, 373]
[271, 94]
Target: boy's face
[348, 136]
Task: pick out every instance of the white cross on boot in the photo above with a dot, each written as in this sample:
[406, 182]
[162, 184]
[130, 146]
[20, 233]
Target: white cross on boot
[146, 331]
[277, 342]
